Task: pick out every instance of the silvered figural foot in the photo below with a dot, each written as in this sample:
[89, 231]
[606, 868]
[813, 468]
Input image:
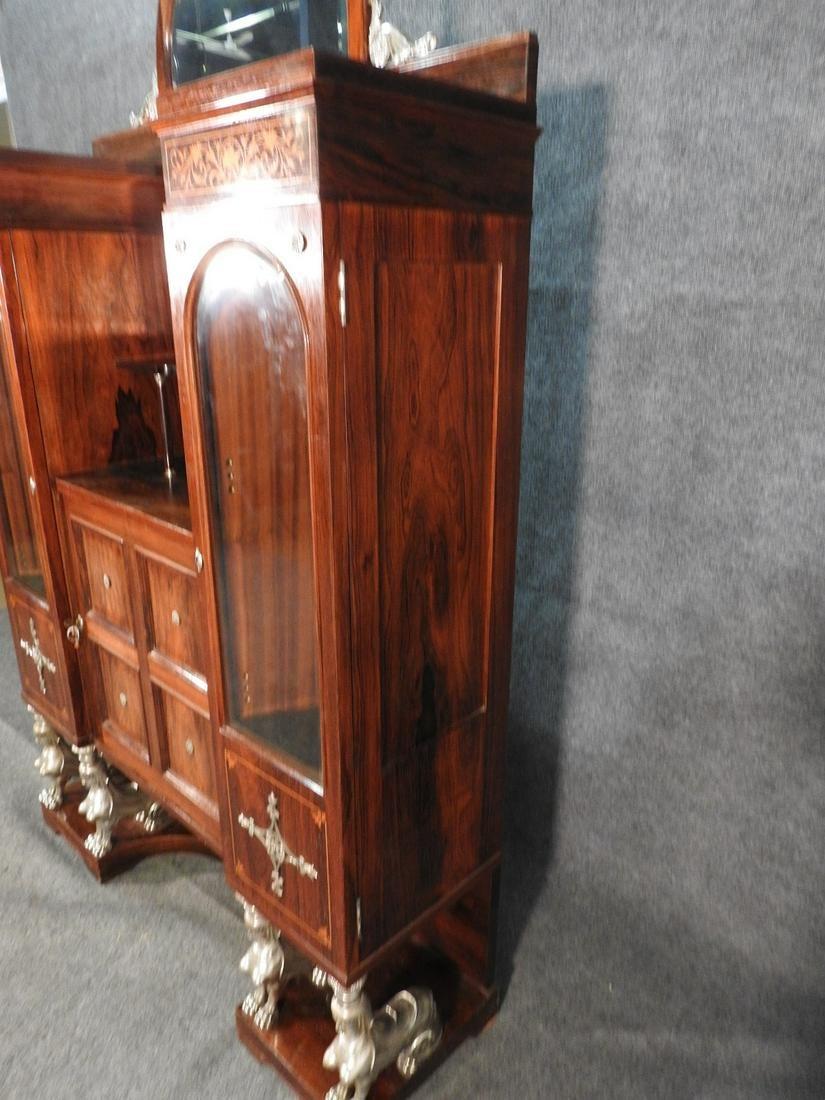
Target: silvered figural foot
[406, 1030]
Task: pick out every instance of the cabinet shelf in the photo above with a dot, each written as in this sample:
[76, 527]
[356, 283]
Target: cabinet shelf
[140, 486]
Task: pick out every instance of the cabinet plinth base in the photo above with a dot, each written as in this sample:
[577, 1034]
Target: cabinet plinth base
[295, 1046]
[130, 841]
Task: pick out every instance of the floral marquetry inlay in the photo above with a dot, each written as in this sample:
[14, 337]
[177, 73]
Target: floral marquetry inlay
[279, 148]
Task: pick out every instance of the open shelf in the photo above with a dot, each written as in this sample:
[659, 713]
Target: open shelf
[141, 486]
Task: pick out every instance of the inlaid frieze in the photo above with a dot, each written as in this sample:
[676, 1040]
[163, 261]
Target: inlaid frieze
[279, 148]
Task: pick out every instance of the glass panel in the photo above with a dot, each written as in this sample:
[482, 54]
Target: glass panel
[16, 518]
[210, 36]
[251, 349]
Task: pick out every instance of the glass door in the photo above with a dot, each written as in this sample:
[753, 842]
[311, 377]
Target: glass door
[250, 342]
[17, 527]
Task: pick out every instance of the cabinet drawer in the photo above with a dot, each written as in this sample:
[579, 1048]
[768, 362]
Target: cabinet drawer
[257, 797]
[176, 623]
[123, 703]
[37, 654]
[188, 742]
[105, 566]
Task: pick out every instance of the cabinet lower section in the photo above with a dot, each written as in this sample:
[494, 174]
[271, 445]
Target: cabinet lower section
[141, 639]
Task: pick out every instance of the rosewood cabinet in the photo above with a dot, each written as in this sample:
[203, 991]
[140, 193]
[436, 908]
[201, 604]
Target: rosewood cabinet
[347, 253]
[259, 457]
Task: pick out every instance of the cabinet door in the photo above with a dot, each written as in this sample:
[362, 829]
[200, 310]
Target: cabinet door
[29, 557]
[249, 339]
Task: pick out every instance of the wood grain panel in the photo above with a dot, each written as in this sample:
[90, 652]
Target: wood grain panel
[175, 614]
[123, 712]
[436, 360]
[106, 576]
[49, 191]
[187, 740]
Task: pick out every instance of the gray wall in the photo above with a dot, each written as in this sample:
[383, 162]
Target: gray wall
[663, 898]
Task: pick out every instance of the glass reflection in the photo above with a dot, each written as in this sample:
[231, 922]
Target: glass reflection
[251, 348]
[211, 36]
[16, 515]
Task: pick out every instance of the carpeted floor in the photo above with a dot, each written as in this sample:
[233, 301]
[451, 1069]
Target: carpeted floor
[128, 990]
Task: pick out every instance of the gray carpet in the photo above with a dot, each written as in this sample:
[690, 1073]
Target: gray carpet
[664, 890]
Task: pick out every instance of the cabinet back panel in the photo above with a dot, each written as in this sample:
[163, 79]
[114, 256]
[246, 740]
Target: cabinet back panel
[92, 299]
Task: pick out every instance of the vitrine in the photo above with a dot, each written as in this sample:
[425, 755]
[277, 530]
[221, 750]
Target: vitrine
[276, 606]
[347, 253]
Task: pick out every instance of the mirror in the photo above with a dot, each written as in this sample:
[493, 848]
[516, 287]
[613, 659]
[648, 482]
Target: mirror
[212, 36]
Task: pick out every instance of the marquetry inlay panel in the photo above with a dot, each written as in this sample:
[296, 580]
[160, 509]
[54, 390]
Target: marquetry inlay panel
[279, 149]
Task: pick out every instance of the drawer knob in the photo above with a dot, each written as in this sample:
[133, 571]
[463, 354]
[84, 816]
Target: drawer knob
[123, 699]
[276, 846]
[189, 746]
[175, 617]
[107, 581]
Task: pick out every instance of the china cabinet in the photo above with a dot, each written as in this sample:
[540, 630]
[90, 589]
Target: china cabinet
[278, 586]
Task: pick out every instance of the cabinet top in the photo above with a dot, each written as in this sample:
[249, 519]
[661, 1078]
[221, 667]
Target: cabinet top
[496, 77]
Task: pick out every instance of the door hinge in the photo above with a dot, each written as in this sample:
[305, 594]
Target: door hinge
[358, 918]
[342, 292]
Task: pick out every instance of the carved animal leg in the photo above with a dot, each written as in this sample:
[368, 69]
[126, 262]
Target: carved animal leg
[109, 799]
[52, 763]
[264, 964]
[406, 1030]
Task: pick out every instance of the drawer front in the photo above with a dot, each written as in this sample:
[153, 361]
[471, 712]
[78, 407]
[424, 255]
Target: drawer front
[176, 627]
[188, 740]
[123, 703]
[37, 654]
[257, 798]
[103, 559]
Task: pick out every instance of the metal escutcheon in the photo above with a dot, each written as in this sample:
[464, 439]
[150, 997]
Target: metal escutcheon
[74, 631]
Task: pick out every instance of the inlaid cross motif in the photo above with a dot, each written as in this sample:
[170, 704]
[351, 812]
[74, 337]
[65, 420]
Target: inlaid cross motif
[276, 847]
[35, 653]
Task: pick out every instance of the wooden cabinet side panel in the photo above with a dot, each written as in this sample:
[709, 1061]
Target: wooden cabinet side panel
[426, 363]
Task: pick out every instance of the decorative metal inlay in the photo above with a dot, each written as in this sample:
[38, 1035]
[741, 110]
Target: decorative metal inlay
[277, 148]
[276, 846]
[35, 653]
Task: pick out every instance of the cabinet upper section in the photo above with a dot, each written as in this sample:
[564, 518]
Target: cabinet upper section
[327, 127]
